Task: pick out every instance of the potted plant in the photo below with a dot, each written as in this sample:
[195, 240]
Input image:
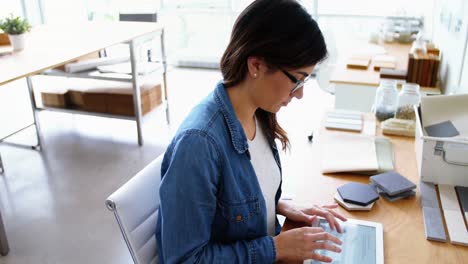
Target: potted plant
[15, 27]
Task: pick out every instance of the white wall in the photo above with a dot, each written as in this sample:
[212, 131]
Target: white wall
[464, 75]
[450, 33]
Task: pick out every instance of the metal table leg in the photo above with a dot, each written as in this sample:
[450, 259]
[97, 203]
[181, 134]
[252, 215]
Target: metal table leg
[134, 44]
[3, 239]
[164, 62]
[34, 110]
[136, 90]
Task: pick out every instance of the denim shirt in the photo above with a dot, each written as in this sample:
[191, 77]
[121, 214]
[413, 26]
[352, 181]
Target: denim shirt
[212, 209]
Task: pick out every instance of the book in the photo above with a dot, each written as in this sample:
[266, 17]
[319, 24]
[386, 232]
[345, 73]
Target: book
[384, 61]
[393, 74]
[410, 67]
[92, 64]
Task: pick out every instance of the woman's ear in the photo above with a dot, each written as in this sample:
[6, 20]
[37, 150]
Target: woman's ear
[256, 66]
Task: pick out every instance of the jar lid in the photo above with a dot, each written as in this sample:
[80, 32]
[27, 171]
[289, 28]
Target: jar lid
[411, 87]
[388, 83]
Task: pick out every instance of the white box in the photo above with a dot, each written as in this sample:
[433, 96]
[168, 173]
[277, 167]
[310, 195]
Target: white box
[443, 160]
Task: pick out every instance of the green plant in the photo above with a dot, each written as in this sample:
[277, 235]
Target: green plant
[14, 25]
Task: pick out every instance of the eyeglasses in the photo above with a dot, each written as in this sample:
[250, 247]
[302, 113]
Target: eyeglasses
[298, 83]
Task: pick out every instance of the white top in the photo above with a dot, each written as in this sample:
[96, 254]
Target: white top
[268, 174]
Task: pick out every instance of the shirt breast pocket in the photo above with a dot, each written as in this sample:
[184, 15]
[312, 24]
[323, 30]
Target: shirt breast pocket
[243, 218]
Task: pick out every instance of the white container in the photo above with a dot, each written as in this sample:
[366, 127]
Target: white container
[443, 160]
[17, 41]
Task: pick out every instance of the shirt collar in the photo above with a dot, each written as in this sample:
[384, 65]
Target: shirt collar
[239, 140]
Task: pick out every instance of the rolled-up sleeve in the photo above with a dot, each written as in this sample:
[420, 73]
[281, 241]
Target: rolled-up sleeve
[191, 171]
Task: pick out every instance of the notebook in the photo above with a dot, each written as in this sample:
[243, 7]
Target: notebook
[345, 152]
[385, 156]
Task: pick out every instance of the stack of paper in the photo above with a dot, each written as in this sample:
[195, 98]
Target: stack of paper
[90, 64]
[344, 120]
[126, 68]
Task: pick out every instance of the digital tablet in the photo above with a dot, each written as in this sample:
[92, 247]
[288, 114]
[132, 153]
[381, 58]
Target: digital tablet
[362, 242]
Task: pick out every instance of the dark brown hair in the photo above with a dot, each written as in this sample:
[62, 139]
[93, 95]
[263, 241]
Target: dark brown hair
[282, 33]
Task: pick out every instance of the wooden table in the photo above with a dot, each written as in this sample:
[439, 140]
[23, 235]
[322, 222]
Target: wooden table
[404, 236]
[360, 85]
[48, 46]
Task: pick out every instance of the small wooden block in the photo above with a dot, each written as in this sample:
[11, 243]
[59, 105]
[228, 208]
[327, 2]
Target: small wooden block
[350, 206]
[463, 197]
[393, 74]
[428, 195]
[453, 216]
[456, 227]
[4, 39]
[448, 197]
[358, 62]
[433, 224]
[384, 61]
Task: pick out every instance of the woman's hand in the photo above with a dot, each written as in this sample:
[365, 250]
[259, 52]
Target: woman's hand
[308, 215]
[327, 212]
[300, 244]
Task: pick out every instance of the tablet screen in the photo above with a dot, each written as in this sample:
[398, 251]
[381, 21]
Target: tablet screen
[359, 244]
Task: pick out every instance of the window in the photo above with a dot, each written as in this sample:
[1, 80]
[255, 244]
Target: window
[10, 7]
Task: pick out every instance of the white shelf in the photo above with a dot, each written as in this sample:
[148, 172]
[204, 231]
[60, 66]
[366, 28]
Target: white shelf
[81, 112]
[97, 75]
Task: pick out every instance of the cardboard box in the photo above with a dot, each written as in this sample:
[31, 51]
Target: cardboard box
[5, 45]
[443, 160]
[4, 39]
[55, 98]
[118, 100]
[97, 95]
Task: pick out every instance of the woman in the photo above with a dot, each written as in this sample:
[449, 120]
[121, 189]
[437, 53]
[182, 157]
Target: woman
[221, 173]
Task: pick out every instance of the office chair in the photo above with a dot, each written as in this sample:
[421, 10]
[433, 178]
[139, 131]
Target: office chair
[134, 17]
[4, 248]
[141, 17]
[323, 77]
[2, 170]
[135, 206]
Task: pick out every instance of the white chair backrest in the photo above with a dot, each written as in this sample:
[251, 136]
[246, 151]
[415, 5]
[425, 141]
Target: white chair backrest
[135, 206]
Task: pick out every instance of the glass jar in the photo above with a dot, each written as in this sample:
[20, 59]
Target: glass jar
[419, 45]
[408, 97]
[388, 31]
[386, 100]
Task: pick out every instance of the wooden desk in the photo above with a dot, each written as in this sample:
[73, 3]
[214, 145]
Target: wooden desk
[48, 46]
[360, 84]
[404, 237]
